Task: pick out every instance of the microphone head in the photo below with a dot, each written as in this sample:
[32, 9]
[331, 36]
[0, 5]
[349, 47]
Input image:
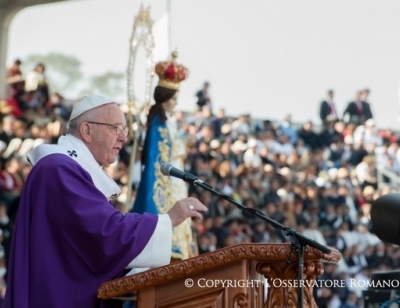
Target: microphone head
[385, 217]
[165, 168]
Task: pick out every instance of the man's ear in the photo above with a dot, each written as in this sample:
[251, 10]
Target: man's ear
[86, 132]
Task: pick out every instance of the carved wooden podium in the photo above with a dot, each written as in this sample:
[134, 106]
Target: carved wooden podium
[235, 277]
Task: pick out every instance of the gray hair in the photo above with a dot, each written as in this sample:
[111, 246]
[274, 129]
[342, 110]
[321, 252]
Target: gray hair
[90, 115]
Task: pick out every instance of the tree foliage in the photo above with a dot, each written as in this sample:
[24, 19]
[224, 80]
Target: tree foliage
[62, 71]
[109, 84]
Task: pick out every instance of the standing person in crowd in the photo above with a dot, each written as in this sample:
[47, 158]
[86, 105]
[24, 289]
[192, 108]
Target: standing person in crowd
[163, 144]
[327, 108]
[14, 72]
[68, 239]
[36, 84]
[357, 111]
[365, 98]
[15, 89]
[203, 97]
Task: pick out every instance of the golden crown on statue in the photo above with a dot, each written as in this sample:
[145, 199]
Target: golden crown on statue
[170, 73]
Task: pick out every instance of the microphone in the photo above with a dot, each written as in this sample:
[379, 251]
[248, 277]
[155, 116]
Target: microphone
[385, 217]
[169, 169]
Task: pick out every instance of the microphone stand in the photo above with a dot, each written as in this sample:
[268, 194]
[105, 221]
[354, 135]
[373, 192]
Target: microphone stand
[299, 241]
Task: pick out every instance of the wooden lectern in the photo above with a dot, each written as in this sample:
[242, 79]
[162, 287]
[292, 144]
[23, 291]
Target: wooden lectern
[235, 277]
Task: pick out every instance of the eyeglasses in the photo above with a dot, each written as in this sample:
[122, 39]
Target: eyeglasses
[119, 130]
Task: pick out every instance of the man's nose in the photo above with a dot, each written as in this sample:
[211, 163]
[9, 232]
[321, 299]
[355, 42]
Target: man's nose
[122, 138]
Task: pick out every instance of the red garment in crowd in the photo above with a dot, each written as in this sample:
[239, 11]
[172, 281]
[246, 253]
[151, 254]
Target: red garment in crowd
[14, 71]
[360, 201]
[15, 110]
[9, 183]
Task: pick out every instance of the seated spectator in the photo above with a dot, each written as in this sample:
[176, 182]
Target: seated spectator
[241, 126]
[329, 133]
[271, 196]
[307, 134]
[251, 156]
[206, 243]
[329, 216]
[334, 152]
[286, 127]
[369, 135]
[56, 107]
[260, 235]
[366, 172]
[313, 233]
[351, 301]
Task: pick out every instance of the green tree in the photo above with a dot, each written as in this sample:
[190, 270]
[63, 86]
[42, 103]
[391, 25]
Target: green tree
[62, 71]
[111, 84]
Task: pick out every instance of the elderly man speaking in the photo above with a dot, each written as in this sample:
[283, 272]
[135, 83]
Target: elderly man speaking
[68, 238]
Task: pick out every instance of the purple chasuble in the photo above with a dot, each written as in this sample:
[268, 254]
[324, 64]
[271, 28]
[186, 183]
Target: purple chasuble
[68, 239]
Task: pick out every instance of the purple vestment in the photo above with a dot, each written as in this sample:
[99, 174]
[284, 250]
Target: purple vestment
[68, 239]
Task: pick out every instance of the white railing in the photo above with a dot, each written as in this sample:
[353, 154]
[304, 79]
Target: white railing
[394, 178]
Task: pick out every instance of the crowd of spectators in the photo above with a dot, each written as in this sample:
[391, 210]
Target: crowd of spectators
[321, 182]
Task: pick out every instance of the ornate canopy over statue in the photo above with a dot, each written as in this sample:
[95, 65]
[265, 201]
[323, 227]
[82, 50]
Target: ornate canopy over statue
[141, 37]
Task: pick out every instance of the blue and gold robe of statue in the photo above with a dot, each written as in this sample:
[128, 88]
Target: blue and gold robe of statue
[157, 193]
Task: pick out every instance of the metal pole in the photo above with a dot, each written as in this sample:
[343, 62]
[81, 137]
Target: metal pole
[169, 26]
[134, 136]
